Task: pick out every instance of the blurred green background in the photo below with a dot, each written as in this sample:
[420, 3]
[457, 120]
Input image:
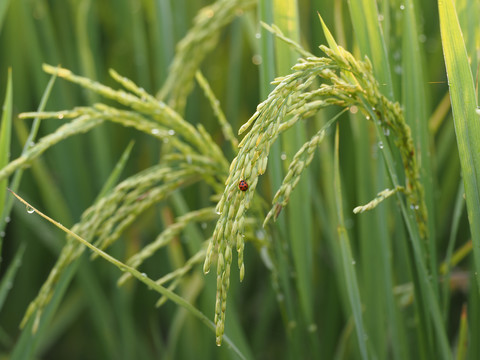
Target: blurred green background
[95, 319]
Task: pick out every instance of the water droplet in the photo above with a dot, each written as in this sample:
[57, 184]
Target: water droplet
[283, 156]
[2, 234]
[189, 159]
[380, 17]
[166, 141]
[144, 274]
[386, 132]
[380, 144]
[260, 234]
[30, 210]
[7, 219]
[257, 59]
[367, 117]
[60, 116]
[354, 262]
[218, 212]
[155, 131]
[258, 35]
[171, 132]
[402, 7]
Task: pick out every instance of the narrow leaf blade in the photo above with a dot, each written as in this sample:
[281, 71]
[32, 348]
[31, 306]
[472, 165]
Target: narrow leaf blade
[5, 138]
[466, 121]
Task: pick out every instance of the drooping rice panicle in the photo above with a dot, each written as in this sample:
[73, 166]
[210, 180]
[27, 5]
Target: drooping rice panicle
[346, 82]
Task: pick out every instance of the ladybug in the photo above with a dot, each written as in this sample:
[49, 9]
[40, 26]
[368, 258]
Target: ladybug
[242, 185]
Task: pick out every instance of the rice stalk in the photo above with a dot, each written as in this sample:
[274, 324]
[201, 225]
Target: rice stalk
[107, 219]
[166, 237]
[193, 156]
[346, 82]
[192, 49]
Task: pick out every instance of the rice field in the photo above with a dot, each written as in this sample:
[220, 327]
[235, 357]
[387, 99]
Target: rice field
[239, 179]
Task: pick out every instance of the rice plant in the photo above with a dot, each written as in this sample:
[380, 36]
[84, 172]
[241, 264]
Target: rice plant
[340, 201]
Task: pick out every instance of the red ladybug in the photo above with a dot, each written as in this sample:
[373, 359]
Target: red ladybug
[242, 185]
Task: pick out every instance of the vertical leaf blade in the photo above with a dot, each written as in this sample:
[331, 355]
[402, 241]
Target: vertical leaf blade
[369, 36]
[466, 121]
[5, 137]
[415, 105]
[351, 282]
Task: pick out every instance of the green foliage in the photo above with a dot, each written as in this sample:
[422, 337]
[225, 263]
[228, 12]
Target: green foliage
[349, 246]
[5, 138]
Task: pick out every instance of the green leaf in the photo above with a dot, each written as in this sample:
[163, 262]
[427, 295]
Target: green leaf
[367, 30]
[116, 172]
[466, 120]
[328, 35]
[5, 138]
[347, 260]
[3, 11]
[415, 105]
[300, 217]
[9, 277]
